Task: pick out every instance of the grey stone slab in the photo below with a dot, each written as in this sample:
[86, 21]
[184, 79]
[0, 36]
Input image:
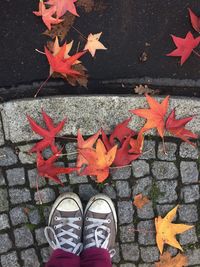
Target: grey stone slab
[121, 174]
[125, 212]
[188, 151]
[143, 186]
[146, 233]
[71, 149]
[146, 265]
[4, 222]
[18, 216]
[116, 258]
[46, 195]
[23, 237]
[10, 260]
[127, 233]
[34, 215]
[2, 141]
[188, 237]
[193, 256]
[188, 213]
[5, 243]
[123, 189]
[16, 176]
[45, 254]
[32, 176]
[149, 151]
[24, 156]
[4, 205]
[190, 193]
[170, 154]
[150, 254]
[30, 258]
[40, 237]
[168, 192]
[74, 178]
[164, 170]
[127, 265]
[7, 156]
[189, 172]
[113, 110]
[146, 212]
[2, 178]
[18, 196]
[140, 168]
[64, 189]
[130, 252]
[110, 191]
[86, 191]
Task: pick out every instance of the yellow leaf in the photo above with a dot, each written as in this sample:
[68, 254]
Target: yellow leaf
[94, 44]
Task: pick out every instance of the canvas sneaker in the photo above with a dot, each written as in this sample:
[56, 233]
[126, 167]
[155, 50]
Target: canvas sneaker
[64, 230]
[100, 224]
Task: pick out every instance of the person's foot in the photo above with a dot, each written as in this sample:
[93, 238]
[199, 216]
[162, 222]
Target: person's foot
[100, 224]
[64, 229]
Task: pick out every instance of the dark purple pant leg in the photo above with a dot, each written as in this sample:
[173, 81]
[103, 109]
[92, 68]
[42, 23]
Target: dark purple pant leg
[95, 257]
[61, 258]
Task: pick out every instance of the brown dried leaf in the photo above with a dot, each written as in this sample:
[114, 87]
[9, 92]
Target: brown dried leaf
[140, 201]
[167, 260]
[144, 89]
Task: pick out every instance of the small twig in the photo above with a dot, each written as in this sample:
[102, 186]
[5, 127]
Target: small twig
[196, 53]
[39, 51]
[67, 154]
[78, 46]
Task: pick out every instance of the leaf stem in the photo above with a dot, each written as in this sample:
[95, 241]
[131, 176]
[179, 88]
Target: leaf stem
[79, 33]
[67, 138]
[42, 85]
[37, 50]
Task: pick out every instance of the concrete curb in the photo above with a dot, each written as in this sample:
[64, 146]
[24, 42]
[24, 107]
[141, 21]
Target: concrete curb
[87, 113]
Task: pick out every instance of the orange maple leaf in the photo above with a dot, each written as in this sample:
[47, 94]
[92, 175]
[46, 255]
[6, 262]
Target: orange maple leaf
[140, 201]
[166, 230]
[137, 144]
[99, 161]
[94, 44]
[155, 115]
[46, 14]
[166, 260]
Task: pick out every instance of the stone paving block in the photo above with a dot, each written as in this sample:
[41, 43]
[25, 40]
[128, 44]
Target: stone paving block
[64, 189]
[188, 151]
[189, 172]
[123, 189]
[121, 174]
[34, 215]
[4, 205]
[116, 258]
[125, 212]
[47, 195]
[163, 170]
[140, 168]
[146, 234]
[188, 237]
[10, 260]
[5, 243]
[45, 254]
[23, 237]
[168, 191]
[150, 254]
[74, 178]
[32, 176]
[86, 191]
[188, 213]
[16, 176]
[149, 151]
[46, 213]
[7, 156]
[110, 191]
[190, 193]
[143, 186]
[164, 209]
[171, 149]
[24, 156]
[193, 256]
[4, 222]
[146, 265]
[71, 149]
[30, 258]
[146, 212]
[40, 237]
[127, 265]
[18, 216]
[2, 178]
[127, 233]
[18, 196]
[130, 252]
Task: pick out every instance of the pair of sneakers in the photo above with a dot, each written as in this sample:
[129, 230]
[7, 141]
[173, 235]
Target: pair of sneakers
[73, 230]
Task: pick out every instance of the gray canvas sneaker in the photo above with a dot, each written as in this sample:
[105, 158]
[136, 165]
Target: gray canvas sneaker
[64, 230]
[100, 224]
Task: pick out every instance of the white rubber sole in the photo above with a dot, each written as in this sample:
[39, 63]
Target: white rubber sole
[63, 196]
[108, 200]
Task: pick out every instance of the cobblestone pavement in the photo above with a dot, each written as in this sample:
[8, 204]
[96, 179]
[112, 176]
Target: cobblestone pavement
[167, 179]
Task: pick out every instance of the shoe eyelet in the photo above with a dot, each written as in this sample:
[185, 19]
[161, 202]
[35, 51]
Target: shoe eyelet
[79, 218]
[79, 228]
[109, 221]
[86, 228]
[87, 218]
[55, 227]
[56, 218]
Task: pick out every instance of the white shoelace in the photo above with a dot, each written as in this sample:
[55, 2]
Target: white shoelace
[99, 239]
[60, 239]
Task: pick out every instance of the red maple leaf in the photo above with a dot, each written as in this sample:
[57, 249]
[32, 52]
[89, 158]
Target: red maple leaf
[46, 15]
[176, 128]
[195, 21]
[49, 134]
[185, 46]
[48, 170]
[62, 6]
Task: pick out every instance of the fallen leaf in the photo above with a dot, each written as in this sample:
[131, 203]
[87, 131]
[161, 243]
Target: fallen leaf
[99, 161]
[184, 46]
[144, 57]
[144, 89]
[46, 14]
[48, 134]
[94, 44]
[176, 128]
[155, 115]
[166, 230]
[137, 144]
[195, 21]
[62, 6]
[47, 169]
[140, 201]
[166, 260]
